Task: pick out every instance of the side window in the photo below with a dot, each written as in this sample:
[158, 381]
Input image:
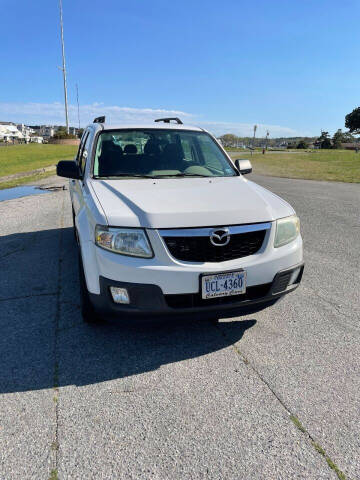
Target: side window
[84, 152]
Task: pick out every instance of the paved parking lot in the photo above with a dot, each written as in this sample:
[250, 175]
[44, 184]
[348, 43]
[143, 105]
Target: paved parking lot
[271, 396]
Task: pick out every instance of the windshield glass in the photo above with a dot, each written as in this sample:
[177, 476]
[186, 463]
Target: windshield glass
[159, 153]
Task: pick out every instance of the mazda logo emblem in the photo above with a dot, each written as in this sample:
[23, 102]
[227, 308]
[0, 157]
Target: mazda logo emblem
[220, 237]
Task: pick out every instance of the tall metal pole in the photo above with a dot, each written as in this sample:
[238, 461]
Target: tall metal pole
[266, 140]
[77, 99]
[255, 127]
[64, 66]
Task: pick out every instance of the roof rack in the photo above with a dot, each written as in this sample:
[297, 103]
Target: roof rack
[99, 119]
[168, 120]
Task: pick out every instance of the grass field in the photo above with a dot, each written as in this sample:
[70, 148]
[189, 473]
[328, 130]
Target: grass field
[24, 158]
[331, 165]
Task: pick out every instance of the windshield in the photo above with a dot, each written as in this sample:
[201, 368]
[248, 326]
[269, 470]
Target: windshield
[159, 153]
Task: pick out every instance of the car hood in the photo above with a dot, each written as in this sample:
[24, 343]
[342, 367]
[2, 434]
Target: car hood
[187, 202]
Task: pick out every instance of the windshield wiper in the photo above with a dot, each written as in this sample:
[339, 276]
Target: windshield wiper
[137, 175]
[182, 175]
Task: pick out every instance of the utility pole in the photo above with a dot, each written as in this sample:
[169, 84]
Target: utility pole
[64, 67]
[77, 99]
[253, 144]
[266, 141]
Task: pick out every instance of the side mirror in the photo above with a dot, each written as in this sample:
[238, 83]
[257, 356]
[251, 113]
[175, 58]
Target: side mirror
[244, 166]
[68, 169]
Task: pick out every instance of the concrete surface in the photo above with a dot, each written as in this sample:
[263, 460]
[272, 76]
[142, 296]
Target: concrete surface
[179, 399]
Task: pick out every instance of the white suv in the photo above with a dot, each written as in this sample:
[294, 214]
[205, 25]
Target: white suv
[167, 224]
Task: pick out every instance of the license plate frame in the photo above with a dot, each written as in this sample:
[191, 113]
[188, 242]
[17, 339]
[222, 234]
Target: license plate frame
[226, 292]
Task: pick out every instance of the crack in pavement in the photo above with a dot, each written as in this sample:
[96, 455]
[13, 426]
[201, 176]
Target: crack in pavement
[292, 417]
[55, 444]
[8, 299]
[21, 249]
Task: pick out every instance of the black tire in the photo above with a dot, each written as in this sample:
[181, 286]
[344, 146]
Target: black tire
[88, 311]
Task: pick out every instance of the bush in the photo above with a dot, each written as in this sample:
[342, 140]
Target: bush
[60, 135]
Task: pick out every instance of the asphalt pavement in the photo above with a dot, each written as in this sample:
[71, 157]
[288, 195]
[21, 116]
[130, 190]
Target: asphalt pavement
[273, 395]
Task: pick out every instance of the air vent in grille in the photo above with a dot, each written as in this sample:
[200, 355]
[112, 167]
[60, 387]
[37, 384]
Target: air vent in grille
[200, 249]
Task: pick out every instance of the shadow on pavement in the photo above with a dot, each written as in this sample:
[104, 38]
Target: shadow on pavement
[41, 325]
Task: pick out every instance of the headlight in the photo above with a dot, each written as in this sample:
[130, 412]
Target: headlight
[127, 241]
[287, 229]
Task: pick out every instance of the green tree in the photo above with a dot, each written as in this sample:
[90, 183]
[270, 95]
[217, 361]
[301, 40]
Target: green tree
[348, 137]
[339, 137]
[302, 144]
[61, 134]
[324, 140]
[352, 121]
[228, 139]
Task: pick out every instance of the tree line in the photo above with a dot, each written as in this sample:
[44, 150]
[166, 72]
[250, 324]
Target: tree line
[324, 141]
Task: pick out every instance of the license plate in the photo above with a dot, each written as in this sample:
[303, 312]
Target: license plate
[223, 284]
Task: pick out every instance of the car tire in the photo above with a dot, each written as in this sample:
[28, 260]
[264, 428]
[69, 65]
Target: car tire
[88, 312]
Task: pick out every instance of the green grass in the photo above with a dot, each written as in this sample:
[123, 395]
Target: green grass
[297, 423]
[319, 449]
[24, 180]
[24, 158]
[54, 474]
[331, 165]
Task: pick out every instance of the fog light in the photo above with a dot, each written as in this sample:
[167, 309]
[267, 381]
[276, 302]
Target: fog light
[120, 295]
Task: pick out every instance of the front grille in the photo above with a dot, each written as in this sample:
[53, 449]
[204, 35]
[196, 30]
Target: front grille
[200, 249]
[191, 300]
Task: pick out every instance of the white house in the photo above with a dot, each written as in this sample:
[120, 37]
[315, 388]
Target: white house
[26, 131]
[9, 132]
[47, 131]
[34, 139]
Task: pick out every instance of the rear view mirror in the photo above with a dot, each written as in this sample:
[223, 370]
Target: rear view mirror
[244, 166]
[68, 169]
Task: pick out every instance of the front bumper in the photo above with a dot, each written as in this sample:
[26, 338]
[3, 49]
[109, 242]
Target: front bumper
[177, 277]
[149, 299]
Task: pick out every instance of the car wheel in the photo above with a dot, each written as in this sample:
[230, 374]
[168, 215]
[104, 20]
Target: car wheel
[88, 312]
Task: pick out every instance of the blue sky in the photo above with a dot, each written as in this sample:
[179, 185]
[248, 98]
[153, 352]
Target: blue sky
[290, 66]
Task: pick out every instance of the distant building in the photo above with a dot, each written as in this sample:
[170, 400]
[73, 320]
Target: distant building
[36, 139]
[25, 131]
[47, 131]
[9, 133]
